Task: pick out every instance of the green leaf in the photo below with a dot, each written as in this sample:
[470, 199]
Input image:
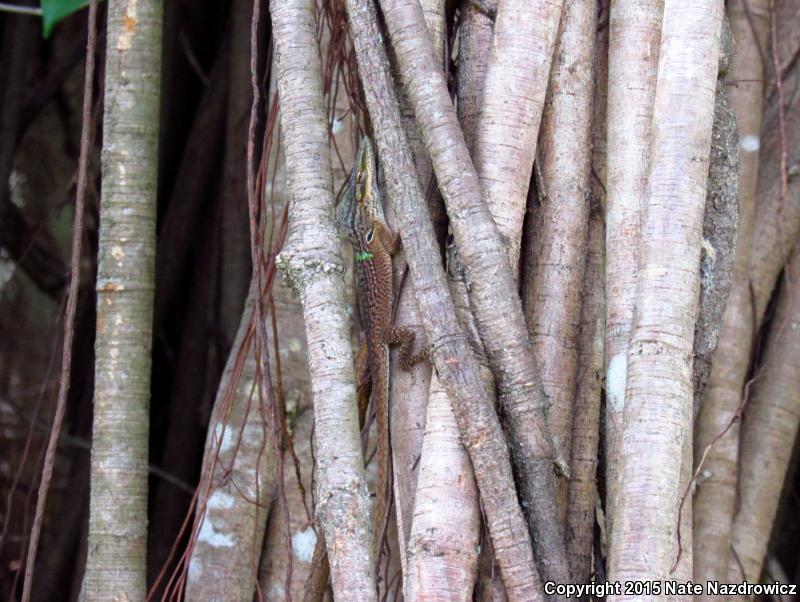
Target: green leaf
[55, 10]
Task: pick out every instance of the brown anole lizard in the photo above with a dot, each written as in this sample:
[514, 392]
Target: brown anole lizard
[360, 214]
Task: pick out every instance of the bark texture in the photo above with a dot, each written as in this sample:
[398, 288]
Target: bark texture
[582, 491]
[713, 506]
[778, 211]
[411, 388]
[715, 499]
[493, 291]
[314, 267]
[508, 127]
[238, 480]
[634, 38]
[583, 495]
[769, 431]
[454, 362]
[302, 539]
[474, 37]
[441, 546]
[287, 338]
[442, 551]
[116, 563]
[720, 225]
[658, 416]
[556, 257]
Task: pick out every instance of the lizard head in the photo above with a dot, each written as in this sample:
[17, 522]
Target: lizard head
[364, 180]
[360, 206]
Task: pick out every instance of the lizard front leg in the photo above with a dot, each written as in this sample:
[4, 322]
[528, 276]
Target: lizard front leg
[389, 240]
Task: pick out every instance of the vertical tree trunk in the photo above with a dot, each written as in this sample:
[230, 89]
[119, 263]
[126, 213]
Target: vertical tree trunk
[658, 415]
[312, 261]
[474, 39]
[475, 415]
[717, 491]
[582, 491]
[716, 440]
[769, 431]
[442, 548]
[493, 291]
[524, 37]
[720, 228]
[777, 223]
[634, 37]
[116, 564]
[237, 482]
[556, 258]
[411, 388]
[582, 494]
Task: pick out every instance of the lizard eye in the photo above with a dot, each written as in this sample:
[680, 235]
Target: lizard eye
[360, 176]
[370, 235]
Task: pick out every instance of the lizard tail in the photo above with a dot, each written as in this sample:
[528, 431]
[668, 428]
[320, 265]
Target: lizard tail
[379, 515]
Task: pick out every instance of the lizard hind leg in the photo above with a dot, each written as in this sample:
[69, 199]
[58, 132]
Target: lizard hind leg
[404, 337]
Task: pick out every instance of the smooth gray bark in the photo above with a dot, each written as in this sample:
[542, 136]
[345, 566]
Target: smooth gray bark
[115, 568]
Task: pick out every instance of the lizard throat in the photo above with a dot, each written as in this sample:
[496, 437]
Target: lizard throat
[364, 256]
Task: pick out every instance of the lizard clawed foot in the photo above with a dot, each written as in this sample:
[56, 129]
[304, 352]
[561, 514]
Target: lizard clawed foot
[404, 337]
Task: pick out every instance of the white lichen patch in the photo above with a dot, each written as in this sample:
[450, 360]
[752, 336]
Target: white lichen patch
[220, 499]
[615, 381]
[750, 143]
[303, 543]
[195, 568]
[18, 186]
[218, 539]
[228, 439]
